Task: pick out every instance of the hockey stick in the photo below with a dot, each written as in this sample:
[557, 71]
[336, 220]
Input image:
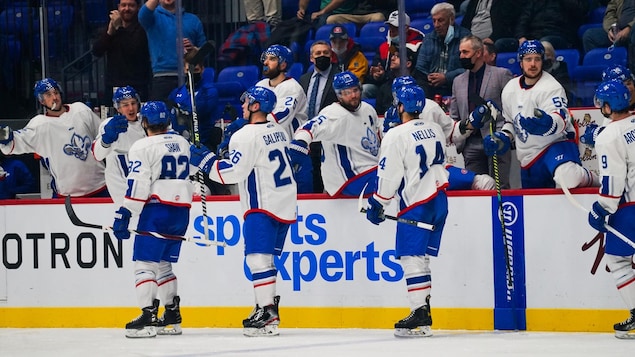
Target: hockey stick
[360, 208]
[577, 204]
[200, 55]
[78, 222]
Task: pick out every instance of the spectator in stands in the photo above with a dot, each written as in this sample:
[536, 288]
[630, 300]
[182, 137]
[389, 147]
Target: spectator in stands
[558, 69]
[158, 18]
[491, 20]
[346, 54]
[269, 11]
[556, 21]
[125, 45]
[438, 58]
[319, 96]
[470, 91]
[15, 177]
[62, 137]
[327, 8]
[380, 65]
[619, 13]
[385, 93]
[364, 12]
[489, 53]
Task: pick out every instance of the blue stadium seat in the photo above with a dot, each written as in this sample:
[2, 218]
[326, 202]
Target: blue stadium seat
[233, 81]
[17, 20]
[424, 25]
[596, 16]
[419, 8]
[96, 12]
[374, 29]
[324, 31]
[370, 43]
[297, 69]
[509, 60]
[570, 56]
[605, 57]
[585, 79]
[582, 29]
[59, 17]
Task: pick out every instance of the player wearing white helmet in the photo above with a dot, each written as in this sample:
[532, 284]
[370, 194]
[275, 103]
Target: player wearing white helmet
[538, 120]
[412, 166]
[615, 148]
[116, 136]
[62, 137]
[259, 163]
[349, 132]
[159, 194]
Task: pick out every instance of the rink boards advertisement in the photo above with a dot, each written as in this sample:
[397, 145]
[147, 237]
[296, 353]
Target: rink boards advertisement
[337, 269]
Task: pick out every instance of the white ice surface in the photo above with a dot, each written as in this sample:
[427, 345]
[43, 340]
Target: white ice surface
[308, 343]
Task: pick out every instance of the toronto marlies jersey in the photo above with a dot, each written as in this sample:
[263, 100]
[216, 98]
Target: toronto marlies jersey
[64, 144]
[290, 110]
[258, 161]
[350, 142]
[615, 148]
[412, 163]
[547, 94]
[432, 111]
[158, 172]
[116, 156]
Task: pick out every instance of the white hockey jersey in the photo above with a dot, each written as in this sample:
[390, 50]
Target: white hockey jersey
[259, 163]
[547, 94]
[116, 156]
[412, 163]
[159, 170]
[432, 111]
[350, 142]
[291, 102]
[615, 148]
[64, 143]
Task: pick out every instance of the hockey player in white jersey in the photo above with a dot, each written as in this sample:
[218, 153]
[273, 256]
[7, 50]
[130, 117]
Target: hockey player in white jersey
[259, 163]
[116, 136]
[538, 120]
[349, 132]
[290, 110]
[412, 166]
[160, 194]
[62, 137]
[615, 148]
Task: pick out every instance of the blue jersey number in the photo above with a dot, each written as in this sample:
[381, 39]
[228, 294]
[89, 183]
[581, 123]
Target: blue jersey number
[439, 157]
[277, 155]
[175, 167]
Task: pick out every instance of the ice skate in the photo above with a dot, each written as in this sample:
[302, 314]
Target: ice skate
[276, 301]
[264, 322]
[417, 324]
[146, 324]
[626, 328]
[170, 322]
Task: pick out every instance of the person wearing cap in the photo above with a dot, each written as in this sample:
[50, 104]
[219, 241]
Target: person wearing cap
[346, 54]
[479, 83]
[381, 61]
[438, 57]
[384, 93]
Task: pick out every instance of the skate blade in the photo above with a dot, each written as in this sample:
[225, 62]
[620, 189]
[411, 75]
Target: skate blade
[421, 331]
[146, 332]
[625, 335]
[170, 330]
[267, 331]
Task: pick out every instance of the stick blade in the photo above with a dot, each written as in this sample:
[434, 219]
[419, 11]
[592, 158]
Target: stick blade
[73, 216]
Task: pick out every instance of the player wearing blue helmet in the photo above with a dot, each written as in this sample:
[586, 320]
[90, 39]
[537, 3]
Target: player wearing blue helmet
[62, 136]
[538, 121]
[616, 154]
[290, 108]
[412, 168]
[116, 136]
[258, 162]
[158, 186]
[349, 133]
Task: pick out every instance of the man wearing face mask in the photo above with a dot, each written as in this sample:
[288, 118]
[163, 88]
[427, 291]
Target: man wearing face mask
[479, 83]
[347, 55]
[377, 75]
[205, 100]
[438, 57]
[318, 86]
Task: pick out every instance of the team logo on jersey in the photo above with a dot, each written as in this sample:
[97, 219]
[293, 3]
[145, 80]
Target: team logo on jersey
[78, 147]
[370, 142]
[3, 174]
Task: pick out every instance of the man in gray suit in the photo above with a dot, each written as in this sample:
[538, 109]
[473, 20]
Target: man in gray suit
[318, 86]
[480, 83]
